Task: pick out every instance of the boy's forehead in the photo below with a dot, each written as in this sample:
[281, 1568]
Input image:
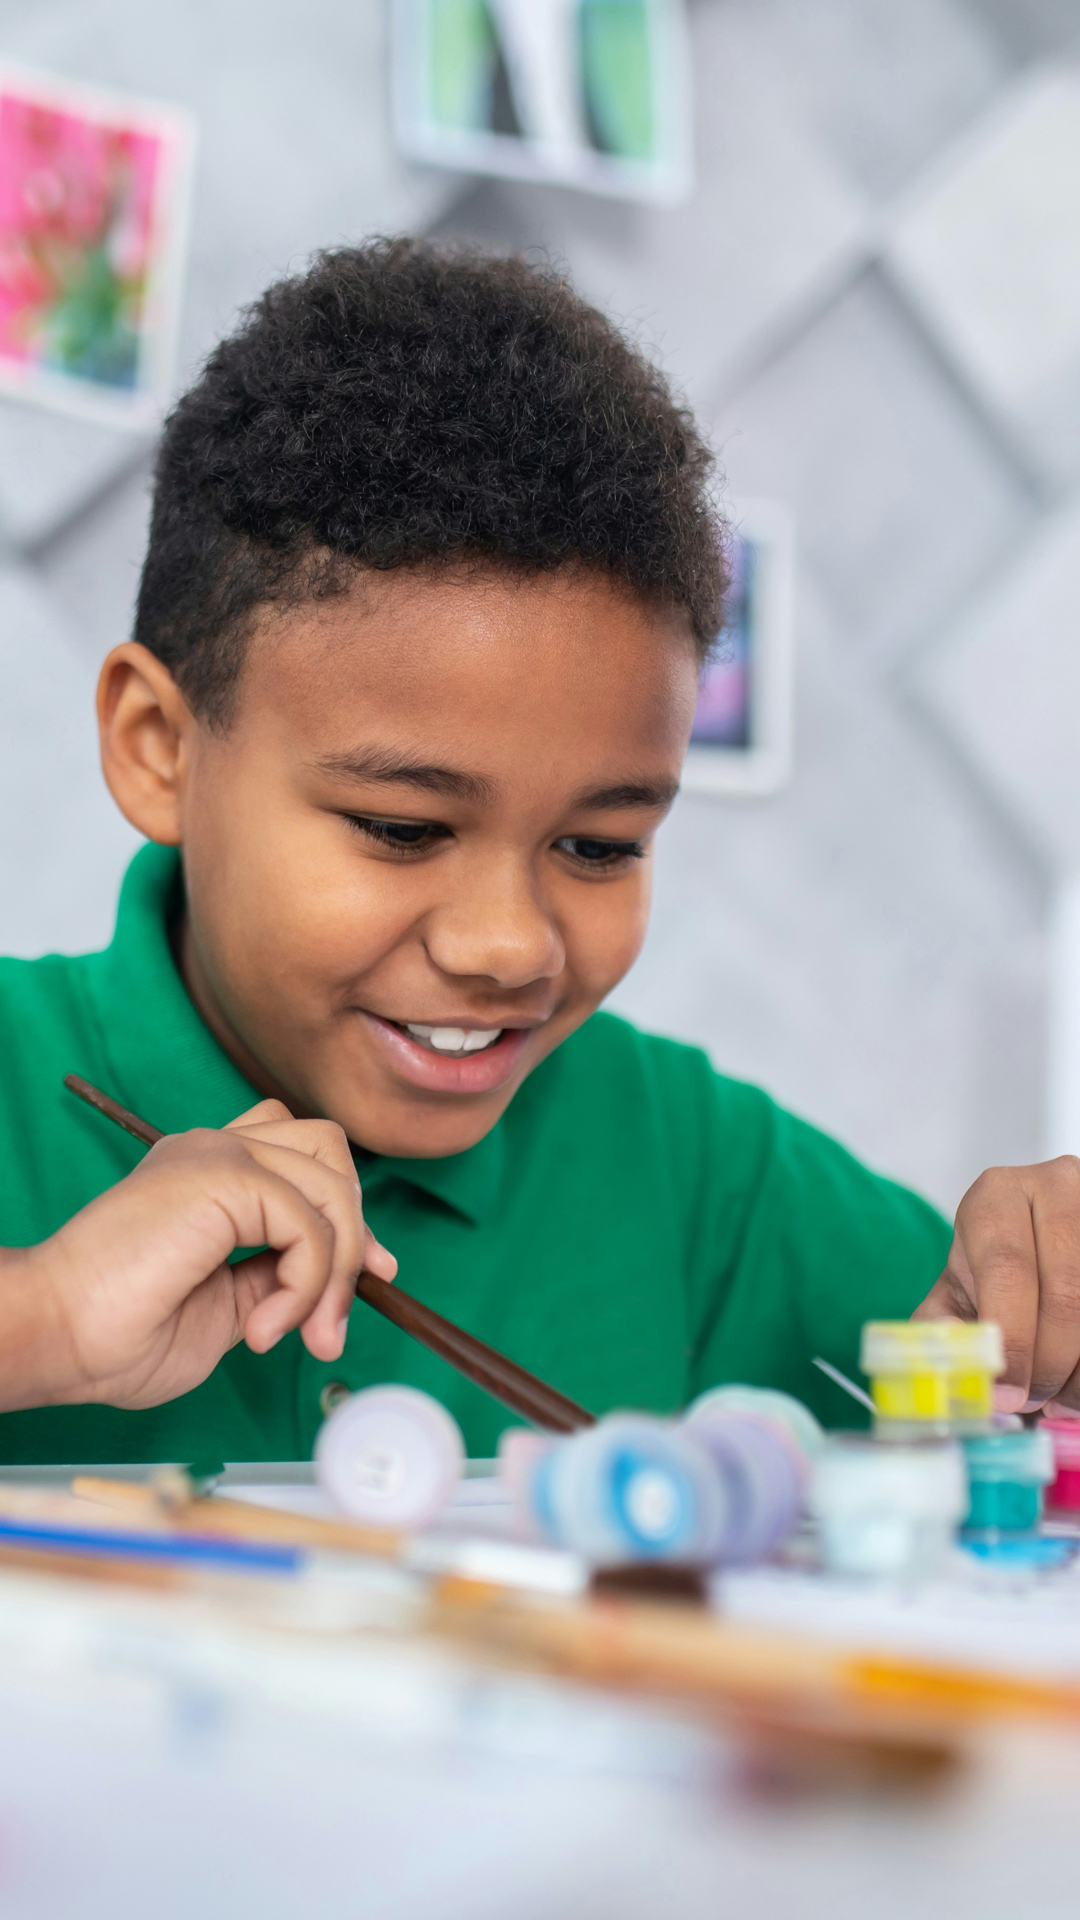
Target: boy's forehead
[470, 671]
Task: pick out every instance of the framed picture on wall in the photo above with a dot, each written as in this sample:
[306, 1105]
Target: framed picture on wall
[93, 213]
[591, 93]
[742, 738]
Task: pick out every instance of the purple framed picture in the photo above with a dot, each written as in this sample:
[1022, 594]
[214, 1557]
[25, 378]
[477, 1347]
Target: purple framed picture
[741, 742]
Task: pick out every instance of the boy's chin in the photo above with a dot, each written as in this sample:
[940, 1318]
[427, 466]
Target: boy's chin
[410, 1132]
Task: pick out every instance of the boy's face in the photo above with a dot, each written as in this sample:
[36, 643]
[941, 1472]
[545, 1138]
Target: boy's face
[420, 855]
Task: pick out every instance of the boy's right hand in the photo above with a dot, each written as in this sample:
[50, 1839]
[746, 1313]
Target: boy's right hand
[133, 1300]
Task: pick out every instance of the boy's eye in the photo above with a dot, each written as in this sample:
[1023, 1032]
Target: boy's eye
[599, 854]
[402, 836]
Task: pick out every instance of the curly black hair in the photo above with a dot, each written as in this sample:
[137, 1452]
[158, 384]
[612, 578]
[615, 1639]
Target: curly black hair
[404, 403]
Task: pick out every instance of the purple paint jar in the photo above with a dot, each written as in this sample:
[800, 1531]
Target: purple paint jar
[763, 1474]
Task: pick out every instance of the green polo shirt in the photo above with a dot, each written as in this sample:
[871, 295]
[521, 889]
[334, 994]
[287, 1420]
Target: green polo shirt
[636, 1227]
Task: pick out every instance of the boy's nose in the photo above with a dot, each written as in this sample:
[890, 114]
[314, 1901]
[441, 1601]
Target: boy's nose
[496, 929]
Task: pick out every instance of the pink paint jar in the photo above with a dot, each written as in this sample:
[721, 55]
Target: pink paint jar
[1064, 1490]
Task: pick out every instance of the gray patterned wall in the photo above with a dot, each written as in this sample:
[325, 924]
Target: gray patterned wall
[875, 332]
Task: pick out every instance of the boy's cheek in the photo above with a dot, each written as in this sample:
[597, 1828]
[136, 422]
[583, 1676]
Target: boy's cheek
[607, 939]
[272, 895]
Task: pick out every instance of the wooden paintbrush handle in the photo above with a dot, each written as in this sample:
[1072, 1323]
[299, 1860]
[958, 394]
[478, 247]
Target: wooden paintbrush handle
[517, 1389]
[113, 1110]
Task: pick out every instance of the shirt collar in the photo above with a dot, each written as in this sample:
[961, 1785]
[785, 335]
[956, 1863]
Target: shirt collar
[167, 1066]
[468, 1182]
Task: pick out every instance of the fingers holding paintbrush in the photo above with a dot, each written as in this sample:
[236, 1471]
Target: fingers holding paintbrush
[299, 1150]
[523, 1392]
[143, 1301]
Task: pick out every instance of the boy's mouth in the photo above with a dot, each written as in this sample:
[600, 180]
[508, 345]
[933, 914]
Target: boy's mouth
[449, 1059]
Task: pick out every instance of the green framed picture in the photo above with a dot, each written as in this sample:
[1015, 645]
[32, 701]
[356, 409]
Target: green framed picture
[591, 93]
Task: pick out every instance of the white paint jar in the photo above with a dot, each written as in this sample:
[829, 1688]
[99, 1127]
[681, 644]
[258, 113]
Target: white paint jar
[390, 1457]
[887, 1511]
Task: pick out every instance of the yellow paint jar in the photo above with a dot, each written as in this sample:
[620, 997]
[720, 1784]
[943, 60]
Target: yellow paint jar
[932, 1374]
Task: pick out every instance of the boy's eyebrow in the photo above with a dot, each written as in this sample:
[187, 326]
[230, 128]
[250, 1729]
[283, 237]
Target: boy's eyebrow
[629, 793]
[397, 769]
[394, 769]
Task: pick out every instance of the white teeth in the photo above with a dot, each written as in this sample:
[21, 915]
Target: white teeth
[448, 1039]
[453, 1039]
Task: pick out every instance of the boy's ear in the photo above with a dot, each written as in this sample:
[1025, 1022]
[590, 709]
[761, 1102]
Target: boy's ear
[144, 726]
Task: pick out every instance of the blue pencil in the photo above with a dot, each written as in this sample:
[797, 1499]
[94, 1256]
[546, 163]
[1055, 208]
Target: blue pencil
[241, 1556]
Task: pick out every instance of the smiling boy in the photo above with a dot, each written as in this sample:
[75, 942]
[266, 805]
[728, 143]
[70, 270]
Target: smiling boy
[431, 574]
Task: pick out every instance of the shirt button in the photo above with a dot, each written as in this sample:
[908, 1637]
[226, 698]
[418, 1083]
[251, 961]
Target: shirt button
[332, 1395]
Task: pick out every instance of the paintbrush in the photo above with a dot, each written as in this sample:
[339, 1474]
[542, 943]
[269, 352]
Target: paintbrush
[517, 1389]
[686, 1651]
[841, 1380]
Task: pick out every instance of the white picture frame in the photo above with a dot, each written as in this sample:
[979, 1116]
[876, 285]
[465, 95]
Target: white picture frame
[151, 229]
[756, 760]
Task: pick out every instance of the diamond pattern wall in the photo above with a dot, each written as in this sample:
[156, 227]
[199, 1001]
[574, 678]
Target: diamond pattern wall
[871, 943]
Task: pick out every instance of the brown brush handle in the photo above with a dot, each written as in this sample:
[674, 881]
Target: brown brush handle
[517, 1389]
[522, 1392]
[113, 1110]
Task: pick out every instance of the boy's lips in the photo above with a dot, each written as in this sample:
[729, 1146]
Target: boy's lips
[480, 1072]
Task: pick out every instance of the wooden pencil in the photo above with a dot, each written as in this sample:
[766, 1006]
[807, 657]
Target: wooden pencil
[240, 1519]
[514, 1386]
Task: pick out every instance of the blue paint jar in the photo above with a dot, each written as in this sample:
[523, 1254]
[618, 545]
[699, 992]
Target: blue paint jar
[1007, 1473]
[630, 1488]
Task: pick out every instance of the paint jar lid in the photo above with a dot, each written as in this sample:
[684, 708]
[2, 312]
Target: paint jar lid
[520, 1451]
[390, 1456]
[632, 1488]
[765, 1474]
[1024, 1456]
[935, 1346]
[855, 1476]
[766, 1403]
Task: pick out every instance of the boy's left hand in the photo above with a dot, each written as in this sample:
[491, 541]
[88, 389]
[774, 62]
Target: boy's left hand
[1015, 1258]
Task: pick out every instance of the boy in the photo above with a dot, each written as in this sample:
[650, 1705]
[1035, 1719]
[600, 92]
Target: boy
[431, 572]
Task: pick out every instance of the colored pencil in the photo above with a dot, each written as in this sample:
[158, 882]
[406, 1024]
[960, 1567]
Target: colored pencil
[241, 1556]
[516, 1388]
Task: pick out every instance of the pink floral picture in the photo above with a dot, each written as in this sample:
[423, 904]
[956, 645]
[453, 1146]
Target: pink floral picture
[92, 202]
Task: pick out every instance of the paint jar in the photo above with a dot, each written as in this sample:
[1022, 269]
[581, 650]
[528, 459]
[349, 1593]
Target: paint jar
[1006, 1476]
[1064, 1434]
[766, 1403]
[630, 1488]
[390, 1456]
[520, 1451]
[932, 1375]
[765, 1477]
[887, 1511]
